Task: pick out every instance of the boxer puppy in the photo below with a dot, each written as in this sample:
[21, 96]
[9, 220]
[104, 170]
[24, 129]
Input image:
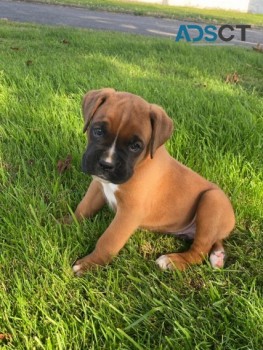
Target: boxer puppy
[144, 185]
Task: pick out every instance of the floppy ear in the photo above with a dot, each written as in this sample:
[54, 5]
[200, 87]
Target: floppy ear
[162, 127]
[91, 102]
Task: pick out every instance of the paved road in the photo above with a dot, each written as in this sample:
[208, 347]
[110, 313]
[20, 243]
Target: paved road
[84, 18]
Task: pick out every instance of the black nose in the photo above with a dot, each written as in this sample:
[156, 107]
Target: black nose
[105, 165]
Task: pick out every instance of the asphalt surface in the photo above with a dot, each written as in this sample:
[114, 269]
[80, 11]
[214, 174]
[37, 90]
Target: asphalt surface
[22, 11]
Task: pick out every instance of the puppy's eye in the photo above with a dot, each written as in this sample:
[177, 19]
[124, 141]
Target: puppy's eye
[135, 146]
[97, 132]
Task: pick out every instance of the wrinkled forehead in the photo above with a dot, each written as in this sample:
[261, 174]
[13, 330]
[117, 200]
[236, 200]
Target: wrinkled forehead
[125, 115]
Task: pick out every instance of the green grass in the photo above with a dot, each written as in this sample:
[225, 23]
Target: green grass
[178, 12]
[129, 304]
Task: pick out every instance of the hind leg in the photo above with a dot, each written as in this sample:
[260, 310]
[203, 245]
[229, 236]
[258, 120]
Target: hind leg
[214, 222]
[217, 255]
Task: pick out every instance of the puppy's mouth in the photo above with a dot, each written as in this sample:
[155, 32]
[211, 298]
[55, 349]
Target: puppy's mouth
[100, 178]
[111, 179]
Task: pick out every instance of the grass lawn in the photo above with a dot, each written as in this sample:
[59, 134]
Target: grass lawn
[178, 12]
[130, 304]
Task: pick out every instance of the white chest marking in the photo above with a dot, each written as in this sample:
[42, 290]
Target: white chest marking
[109, 190]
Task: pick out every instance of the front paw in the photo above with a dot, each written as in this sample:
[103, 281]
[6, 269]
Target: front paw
[83, 265]
[172, 262]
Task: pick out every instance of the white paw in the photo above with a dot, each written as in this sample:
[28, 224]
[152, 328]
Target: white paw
[163, 262]
[77, 270]
[217, 259]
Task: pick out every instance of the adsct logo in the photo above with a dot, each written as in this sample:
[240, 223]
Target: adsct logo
[210, 33]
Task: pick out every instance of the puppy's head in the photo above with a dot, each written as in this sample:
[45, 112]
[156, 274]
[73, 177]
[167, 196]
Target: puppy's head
[123, 129]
